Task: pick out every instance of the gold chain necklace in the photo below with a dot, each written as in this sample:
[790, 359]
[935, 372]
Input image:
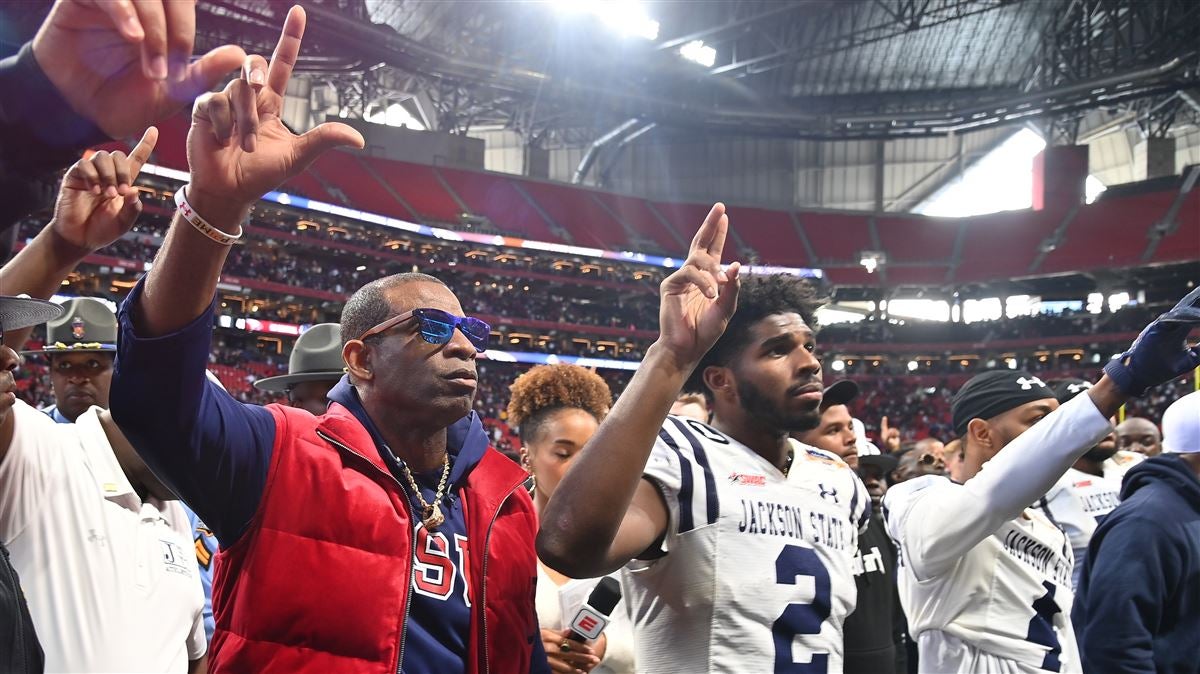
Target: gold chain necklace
[431, 514]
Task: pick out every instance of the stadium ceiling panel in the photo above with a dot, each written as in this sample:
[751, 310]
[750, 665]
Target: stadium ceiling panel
[817, 69]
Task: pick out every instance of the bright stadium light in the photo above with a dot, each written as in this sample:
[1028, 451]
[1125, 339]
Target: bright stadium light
[838, 365]
[394, 114]
[1092, 188]
[625, 16]
[699, 52]
[830, 314]
[913, 365]
[872, 260]
[1001, 180]
[1117, 300]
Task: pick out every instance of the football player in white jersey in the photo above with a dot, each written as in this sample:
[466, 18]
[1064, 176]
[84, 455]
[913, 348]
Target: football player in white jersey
[985, 579]
[739, 544]
[1083, 495]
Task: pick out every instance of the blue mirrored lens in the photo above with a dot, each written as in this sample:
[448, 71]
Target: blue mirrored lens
[437, 327]
[436, 332]
[476, 329]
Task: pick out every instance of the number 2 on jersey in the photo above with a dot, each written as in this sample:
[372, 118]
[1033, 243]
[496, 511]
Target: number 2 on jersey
[795, 562]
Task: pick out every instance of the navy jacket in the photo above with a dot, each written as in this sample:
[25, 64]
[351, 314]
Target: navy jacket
[1138, 608]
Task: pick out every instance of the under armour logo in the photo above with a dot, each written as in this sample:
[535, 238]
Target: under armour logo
[828, 492]
[1028, 382]
[1082, 386]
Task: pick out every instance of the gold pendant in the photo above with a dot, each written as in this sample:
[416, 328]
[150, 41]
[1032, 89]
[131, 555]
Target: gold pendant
[433, 516]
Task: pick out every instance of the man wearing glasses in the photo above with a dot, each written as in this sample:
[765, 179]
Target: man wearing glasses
[383, 535]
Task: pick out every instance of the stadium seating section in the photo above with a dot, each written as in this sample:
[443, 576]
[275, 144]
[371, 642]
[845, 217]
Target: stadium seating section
[1123, 230]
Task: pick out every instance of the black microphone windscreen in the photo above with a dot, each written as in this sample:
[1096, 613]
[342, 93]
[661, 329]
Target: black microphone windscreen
[606, 595]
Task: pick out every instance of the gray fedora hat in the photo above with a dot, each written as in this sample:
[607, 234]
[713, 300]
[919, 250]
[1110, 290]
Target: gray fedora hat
[317, 356]
[24, 312]
[86, 325]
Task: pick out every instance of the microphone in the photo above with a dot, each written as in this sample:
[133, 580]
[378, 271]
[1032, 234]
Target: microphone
[592, 617]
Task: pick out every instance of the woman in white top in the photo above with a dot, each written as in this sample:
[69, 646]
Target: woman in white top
[556, 409]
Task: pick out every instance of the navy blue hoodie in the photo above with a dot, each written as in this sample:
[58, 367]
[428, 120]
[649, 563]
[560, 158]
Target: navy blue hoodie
[1138, 607]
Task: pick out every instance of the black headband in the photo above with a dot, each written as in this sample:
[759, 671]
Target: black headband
[992, 393]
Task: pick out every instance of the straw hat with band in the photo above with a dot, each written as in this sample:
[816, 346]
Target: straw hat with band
[317, 356]
[86, 325]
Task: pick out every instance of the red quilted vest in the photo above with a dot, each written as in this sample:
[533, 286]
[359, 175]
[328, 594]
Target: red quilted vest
[319, 581]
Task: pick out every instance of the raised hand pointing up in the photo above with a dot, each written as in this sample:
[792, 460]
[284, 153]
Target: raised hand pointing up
[238, 149]
[98, 202]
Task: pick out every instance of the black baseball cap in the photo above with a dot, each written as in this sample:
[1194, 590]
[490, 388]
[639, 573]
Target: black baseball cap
[840, 392]
[884, 462]
[996, 392]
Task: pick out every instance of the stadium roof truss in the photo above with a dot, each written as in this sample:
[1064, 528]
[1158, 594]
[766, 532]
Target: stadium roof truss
[818, 69]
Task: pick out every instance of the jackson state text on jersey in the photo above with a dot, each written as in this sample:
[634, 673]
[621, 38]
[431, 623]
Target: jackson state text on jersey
[757, 574]
[1003, 606]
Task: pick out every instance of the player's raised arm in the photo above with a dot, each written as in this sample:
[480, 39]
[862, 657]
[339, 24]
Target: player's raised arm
[603, 513]
[935, 531]
[238, 149]
[209, 448]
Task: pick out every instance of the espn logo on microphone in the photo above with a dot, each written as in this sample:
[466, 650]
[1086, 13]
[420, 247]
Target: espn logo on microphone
[589, 622]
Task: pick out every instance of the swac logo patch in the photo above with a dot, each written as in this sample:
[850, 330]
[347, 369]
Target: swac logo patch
[748, 480]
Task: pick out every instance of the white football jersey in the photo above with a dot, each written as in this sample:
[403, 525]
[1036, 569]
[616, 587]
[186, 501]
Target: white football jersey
[757, 571]
[984, 579]
[1076, 504]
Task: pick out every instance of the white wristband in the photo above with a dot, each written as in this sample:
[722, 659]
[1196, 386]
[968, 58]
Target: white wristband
[193, 218]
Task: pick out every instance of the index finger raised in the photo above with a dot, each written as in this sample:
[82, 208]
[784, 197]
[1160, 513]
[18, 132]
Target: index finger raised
[140, 154]
[286, 51]
[710, 237]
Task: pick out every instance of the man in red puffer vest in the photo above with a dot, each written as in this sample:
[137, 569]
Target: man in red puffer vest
[332, 564]
[382, 536]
